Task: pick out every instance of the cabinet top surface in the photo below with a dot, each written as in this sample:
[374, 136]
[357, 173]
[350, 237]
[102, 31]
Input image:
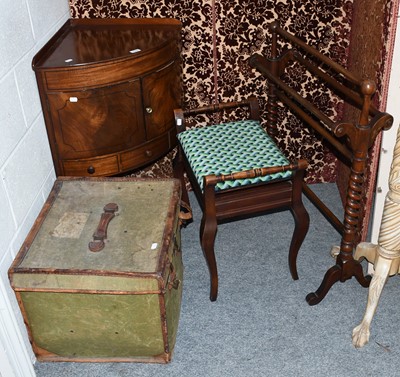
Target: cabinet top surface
[89, 41]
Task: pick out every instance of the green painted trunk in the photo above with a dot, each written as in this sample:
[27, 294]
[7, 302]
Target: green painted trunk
[118, 304]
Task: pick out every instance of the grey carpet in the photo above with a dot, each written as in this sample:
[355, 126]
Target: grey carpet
[261, 324]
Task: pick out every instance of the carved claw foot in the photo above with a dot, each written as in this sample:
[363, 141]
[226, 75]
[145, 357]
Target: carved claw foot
[361, 335]
[382, 268]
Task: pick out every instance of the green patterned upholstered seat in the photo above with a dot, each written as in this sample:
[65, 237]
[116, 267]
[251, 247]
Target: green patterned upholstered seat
[232, 147]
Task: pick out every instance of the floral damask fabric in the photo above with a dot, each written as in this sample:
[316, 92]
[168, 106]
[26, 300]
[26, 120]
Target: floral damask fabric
[218, 37]
[372, 40]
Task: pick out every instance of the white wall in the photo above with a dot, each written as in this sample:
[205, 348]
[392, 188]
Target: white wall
[26, 169]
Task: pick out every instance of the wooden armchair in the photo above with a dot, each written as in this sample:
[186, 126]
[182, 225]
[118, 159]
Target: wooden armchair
[236, 170]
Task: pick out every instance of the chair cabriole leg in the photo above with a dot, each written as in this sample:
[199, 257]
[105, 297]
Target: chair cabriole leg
[208, 232]
[301, 219]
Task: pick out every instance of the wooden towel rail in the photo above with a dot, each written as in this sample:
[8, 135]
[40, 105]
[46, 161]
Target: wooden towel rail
[351, 139]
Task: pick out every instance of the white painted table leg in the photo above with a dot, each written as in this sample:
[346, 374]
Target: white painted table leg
[386, 255]
[366, 250]
[361, 332]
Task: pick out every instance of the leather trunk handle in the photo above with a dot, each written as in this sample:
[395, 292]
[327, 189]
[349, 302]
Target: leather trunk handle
[101, 232]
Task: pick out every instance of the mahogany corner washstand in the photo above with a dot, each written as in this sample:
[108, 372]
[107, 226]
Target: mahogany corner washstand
[108, 88]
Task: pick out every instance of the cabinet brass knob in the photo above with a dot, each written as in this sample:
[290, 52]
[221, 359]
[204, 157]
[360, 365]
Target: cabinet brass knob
[91, 169]
[149, 110]
[149, 153]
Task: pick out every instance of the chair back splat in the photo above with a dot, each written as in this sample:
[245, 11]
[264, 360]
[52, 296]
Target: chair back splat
[236, 170]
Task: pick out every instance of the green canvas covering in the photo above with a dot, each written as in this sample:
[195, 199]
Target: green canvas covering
[224, 149]
[119, 304]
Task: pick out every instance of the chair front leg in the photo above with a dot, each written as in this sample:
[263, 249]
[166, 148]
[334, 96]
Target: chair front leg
[301, 219]
[208, 232]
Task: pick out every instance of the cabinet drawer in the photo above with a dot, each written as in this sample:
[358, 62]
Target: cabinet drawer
[92, 166]
[145, 154]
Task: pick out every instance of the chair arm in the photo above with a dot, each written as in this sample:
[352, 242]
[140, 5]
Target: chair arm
[213, 179]
[179, 120]
[251, 102]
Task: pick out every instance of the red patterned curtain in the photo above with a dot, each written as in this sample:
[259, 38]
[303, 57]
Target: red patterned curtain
[218, 37]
